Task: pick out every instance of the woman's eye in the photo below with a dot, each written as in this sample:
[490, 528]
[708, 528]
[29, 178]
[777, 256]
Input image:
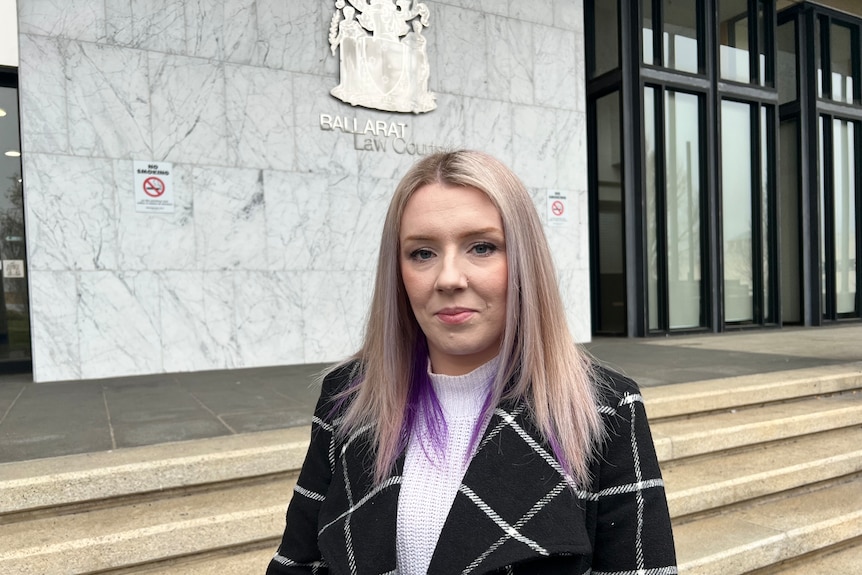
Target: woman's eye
[421, 254]
[484, 249]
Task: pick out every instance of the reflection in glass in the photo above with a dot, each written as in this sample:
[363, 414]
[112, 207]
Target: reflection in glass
[791, 310]
[786, 76]
[844, 201]
[611, 225]
[841, 60]
[822, 189]
[736, 192]
[763, 54]
[733, 37]
[682, 152]
[606, 37]
[680, 38]
[651, 214]
[14, 312]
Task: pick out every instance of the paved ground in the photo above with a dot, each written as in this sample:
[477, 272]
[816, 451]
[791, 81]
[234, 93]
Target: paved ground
[49, 419]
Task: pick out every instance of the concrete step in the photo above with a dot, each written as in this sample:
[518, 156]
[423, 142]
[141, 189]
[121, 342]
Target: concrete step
[709, 482]
[684, 399]
[57, 481]
[148, 530]
[845, 559]
[762, 534]
[714, 432]
[230, 562]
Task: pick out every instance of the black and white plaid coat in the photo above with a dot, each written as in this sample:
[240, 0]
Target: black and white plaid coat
[514, 511]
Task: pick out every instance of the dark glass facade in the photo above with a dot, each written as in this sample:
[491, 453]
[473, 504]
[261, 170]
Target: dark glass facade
[737, 192]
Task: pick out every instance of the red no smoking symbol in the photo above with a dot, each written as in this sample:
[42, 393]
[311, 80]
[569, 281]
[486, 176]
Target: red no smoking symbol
[558, 208]
[154, 187]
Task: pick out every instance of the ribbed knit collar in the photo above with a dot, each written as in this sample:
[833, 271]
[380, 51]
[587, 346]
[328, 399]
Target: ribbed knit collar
[463, 396]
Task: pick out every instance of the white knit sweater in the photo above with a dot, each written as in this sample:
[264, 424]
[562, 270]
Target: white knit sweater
[430, 482]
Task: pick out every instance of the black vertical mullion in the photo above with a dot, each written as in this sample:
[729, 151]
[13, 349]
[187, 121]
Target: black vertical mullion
[663, 297]
[753, 46]
[828, 219]
[658, 32]
[773, 244]
[712, 256]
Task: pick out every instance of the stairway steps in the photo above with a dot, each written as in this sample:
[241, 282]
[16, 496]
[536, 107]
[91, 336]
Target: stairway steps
[845, 560]
[716, 480]
[230, 562]
[684, 399]
[145, 531]
[46, 483]
[678, 438]
[755, 536]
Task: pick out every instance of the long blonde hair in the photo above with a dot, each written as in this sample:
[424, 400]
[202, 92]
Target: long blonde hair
[539, 361]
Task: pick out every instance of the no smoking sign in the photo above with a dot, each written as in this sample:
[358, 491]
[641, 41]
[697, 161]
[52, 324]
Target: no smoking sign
[558, 212]
[154, 188]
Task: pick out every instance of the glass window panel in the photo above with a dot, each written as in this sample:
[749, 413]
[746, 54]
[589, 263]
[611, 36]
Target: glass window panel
[14, 312]
[736, 192]
[606, 37]
[818, 56]
[844, 198]
[791, 310]
[733, 49]
[611, 230]
[682, 175]
[680, 38]
[646, 8]
[822, 191]
[652, 214]
[786, 76]
[841, 60]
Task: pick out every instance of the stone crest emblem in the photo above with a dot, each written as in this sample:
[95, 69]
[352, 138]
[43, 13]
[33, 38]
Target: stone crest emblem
[383, 61]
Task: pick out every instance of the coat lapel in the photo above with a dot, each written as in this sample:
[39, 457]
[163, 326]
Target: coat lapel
[513, 505]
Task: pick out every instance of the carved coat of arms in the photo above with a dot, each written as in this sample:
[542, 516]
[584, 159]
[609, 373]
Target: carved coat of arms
[384, 64]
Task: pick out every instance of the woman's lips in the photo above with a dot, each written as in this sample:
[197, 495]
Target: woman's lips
[455, 316]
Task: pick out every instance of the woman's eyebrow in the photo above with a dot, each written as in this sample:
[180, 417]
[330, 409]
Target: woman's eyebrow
[467, 234]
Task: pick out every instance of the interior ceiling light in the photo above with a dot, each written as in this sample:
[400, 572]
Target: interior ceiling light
[13, 154]
[2, 112]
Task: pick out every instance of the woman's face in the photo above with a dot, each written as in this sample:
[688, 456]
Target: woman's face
[453, 264]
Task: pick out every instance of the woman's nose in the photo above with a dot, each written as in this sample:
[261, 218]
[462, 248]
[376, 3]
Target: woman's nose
[451, 275]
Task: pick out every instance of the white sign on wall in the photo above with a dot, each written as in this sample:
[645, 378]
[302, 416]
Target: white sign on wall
[383, 60]
[13, 268]
[558, 208]
[154, 187]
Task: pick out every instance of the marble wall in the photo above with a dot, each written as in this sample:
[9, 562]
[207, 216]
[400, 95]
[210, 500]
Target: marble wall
[269, 255]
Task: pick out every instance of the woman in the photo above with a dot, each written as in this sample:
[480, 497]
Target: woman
[469, 434]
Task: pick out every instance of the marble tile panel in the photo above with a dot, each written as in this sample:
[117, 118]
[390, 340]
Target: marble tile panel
[230, 219]
[197, 320]
[569, 14]
[490, 6]
[118, 322]
[158, 25]
[292, 35]
[538, 11]
[42, 94]
[71, 212]
[511, 60]
[319, 151]
[118, 22]
[259, 105]
[53, 325]
[460, 52]
[188, 110]
[77, 19]
[269, 325]
[335, 311]
[239, 30]
[322, 223]
[488, 127]
[204, 28]
[556, 74]
[575, 290]
[550, 147]
[108, 101]
[155, 241]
